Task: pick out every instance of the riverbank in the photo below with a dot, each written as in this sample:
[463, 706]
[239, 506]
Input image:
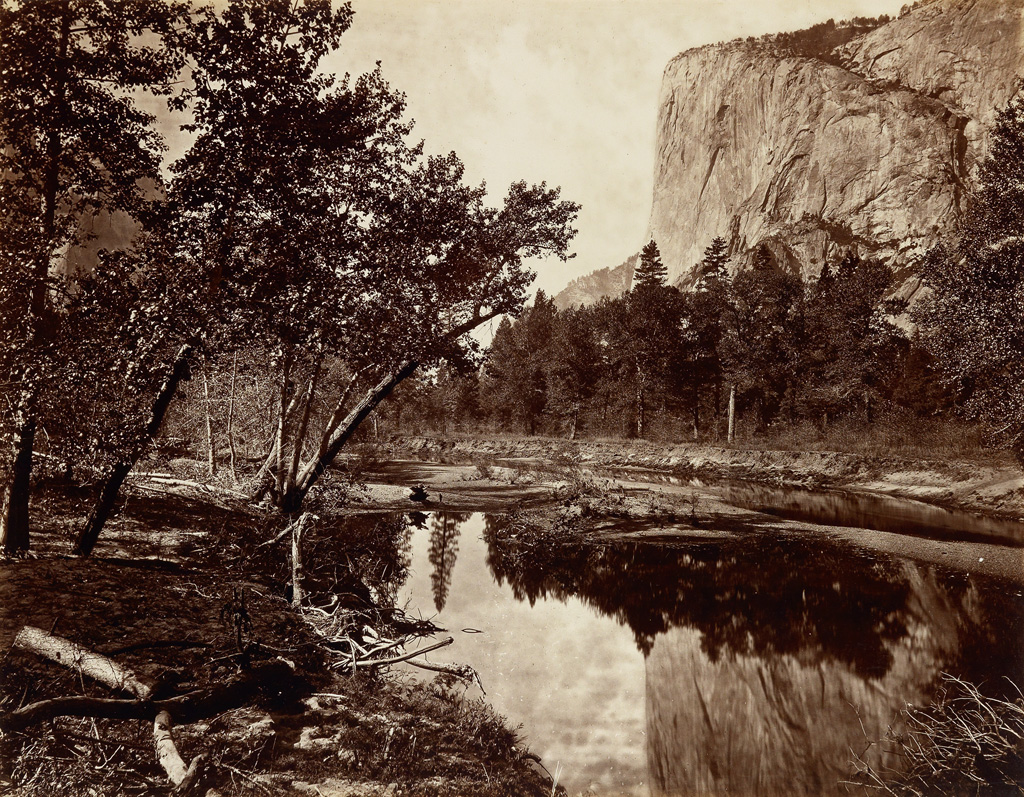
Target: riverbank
[192, 590]
[188, 581]
[994, 486]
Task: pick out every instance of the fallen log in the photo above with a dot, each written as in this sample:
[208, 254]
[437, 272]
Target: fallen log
[167, 754]
[94, 665]
[184, 778]
[263, 679]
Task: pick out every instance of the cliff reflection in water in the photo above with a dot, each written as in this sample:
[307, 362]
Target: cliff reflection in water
[772, 661]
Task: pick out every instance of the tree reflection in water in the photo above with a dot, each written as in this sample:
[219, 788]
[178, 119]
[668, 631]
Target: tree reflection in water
[759, 594]
[444, 549]
[772, 661]
[357, 556]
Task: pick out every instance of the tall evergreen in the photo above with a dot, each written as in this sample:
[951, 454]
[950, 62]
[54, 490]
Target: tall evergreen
[650, 271]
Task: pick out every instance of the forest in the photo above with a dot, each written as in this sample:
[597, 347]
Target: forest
[304, 268]
[303, 231]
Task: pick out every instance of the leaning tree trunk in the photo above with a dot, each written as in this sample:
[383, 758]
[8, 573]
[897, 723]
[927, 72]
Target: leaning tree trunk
[291, 500]
[115, 478]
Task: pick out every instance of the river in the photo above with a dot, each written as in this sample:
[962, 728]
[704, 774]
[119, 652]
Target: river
[754, 663]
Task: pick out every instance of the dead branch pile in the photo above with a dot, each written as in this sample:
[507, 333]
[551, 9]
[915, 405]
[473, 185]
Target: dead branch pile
[261, 679]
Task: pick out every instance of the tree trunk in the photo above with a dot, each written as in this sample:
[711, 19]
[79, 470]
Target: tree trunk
[270, 677]
[639, 409]
[300, 433]
[211, 453]
[718, 406]
[297, 528]
[573, 421]
[696, 411]
[115, 479]
[231, 419]
[732, 414]
[282, 421]
[84, 661]
[14, 528]
[316, 467]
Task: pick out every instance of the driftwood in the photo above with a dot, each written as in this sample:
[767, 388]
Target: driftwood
[94, 665]
[404, 657]
[297, 528]
[190, 707]
[185, 778]
[463, 671]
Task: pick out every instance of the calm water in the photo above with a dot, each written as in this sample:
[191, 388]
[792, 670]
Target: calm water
[757, 664]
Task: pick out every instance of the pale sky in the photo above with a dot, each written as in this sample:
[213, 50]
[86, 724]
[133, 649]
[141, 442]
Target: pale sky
[563, 91]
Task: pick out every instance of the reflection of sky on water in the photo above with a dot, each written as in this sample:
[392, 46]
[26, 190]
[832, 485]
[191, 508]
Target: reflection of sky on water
[770, 659]
[574, 679]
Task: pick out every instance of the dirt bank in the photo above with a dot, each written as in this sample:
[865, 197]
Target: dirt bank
[993, 487]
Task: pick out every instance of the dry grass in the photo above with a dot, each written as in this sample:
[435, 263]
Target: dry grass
[963, 743]
[892, 434]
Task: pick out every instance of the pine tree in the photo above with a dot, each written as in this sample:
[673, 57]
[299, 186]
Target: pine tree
[650, 271]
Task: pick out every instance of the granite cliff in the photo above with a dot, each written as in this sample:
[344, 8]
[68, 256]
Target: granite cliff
[868, 146]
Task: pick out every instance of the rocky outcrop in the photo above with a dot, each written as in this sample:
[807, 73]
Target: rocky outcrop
[967, 53]
[871, 151]
[593, 287]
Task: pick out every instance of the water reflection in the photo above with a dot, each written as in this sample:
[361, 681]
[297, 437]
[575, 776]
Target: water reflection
[772, 661]
[765, 595]
[359, 559]
[759, 663]
[444, 549]
[861, 510]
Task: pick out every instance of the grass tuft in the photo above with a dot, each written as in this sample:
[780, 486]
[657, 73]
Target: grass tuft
[965, 742]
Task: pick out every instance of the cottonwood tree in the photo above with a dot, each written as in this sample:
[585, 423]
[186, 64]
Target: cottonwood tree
[73, 142]
[243, 199]
[330, 236]
[971, 318]
[435, 265]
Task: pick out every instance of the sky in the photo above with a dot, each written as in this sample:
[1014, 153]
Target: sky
[562, 91]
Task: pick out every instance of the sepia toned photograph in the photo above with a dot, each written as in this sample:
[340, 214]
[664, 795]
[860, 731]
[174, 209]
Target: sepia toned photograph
[511, 398]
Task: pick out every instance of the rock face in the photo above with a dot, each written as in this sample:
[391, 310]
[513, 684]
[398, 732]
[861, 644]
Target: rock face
[595, 286]
[967, 53]
[870, 151]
